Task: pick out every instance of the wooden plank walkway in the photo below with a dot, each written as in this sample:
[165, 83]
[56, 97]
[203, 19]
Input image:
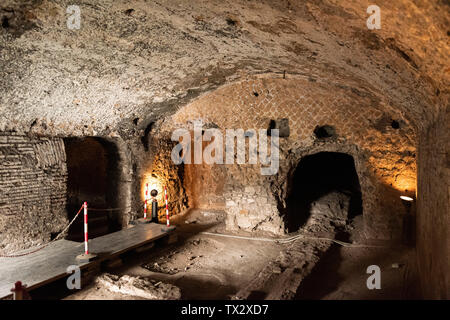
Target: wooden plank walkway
[50, 263]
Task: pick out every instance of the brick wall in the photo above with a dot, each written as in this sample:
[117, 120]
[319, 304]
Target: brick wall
[32, 190]
[381, 141]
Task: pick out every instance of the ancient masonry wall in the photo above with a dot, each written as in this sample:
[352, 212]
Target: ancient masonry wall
[381, 141]
[433, 209]
[158, 171]
[33, 178]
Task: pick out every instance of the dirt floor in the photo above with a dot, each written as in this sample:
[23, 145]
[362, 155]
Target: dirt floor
[205, 266]
[341, 274]
[202, 266]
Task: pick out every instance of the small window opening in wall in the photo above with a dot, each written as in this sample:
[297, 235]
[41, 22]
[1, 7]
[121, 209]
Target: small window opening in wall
[5, 22]
[282, 125]
[326, 131]
[395, 124]
[231, 21]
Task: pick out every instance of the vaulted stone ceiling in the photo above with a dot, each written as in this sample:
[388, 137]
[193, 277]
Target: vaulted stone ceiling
[142, 60]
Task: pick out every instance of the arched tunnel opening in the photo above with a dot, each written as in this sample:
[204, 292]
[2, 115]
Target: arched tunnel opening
[93, 175]
[329, 177]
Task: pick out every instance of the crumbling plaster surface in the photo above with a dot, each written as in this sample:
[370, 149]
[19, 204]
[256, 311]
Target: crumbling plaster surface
[142, 63]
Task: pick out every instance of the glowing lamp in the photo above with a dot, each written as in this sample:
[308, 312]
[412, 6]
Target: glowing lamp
[150, 183]
[407, 203]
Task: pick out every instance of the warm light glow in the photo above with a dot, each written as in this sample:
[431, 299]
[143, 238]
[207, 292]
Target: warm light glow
[148, 184]
[406, 198]
[151, 187]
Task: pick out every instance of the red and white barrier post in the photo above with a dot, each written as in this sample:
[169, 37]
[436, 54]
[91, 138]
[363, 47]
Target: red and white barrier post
[19, 291]
[167, 227]
[86, 256]
[86, 237]
[146, 198]
[145, 201]
[167, 208]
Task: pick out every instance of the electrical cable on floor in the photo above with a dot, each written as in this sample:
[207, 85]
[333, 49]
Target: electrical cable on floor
[239, 237]
[294, 238]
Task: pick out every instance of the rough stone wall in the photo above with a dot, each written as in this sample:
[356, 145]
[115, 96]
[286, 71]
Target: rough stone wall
[143, 59]
[159, 171]
[384, 155]
[205, 186]
[32, 190]
[433, 206]
[250, 203]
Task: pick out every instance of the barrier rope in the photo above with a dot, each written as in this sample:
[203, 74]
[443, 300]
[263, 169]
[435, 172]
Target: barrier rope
[45, 245]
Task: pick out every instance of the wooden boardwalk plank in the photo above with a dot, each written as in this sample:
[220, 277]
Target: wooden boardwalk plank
[51, 263]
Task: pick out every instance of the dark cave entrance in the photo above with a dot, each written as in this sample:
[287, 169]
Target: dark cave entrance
[319, 175]
[93, 176]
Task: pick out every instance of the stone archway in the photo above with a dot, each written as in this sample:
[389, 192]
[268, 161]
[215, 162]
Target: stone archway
[94, 167]
[327, 178]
